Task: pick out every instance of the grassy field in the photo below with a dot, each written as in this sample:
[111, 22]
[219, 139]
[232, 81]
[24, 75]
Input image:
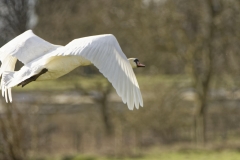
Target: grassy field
[166, 155]
[148, 84]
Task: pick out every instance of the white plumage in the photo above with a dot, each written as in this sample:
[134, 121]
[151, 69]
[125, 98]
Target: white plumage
[36, 54]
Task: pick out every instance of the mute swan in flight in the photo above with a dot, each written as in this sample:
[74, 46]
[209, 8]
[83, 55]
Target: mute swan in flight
[44, 61]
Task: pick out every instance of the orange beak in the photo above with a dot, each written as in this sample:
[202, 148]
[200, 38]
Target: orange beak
[140, 65]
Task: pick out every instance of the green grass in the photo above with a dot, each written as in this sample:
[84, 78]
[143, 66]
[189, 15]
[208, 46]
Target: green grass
[166, 155]
[195, 155]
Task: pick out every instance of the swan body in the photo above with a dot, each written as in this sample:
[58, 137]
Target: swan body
[45, 61]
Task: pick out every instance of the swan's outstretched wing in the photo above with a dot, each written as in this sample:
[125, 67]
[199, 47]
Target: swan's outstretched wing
[105, 53]
[25, 47]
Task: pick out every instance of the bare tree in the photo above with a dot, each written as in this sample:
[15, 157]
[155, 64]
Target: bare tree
[14, 145]
[100, 93]
[16, 16]
[199, 38]
[102, 100]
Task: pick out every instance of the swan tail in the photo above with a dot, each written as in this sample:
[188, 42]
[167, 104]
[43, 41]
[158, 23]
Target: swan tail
[7, 78]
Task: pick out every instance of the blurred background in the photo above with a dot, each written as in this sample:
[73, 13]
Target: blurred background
[190, 84]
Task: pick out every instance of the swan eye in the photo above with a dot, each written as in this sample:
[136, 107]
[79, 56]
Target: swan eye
[136, 60]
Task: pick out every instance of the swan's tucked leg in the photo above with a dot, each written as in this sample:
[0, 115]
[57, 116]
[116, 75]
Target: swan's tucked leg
[33, 78]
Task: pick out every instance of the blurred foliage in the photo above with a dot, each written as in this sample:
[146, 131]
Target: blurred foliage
[135, 25]
[190, 85]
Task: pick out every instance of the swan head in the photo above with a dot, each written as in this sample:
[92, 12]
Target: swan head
[134, 62]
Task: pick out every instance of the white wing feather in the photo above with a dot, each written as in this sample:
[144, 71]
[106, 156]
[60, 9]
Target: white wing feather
[25, 47]
[105, 53]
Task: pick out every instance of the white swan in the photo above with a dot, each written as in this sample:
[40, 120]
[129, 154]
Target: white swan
[44, 61]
